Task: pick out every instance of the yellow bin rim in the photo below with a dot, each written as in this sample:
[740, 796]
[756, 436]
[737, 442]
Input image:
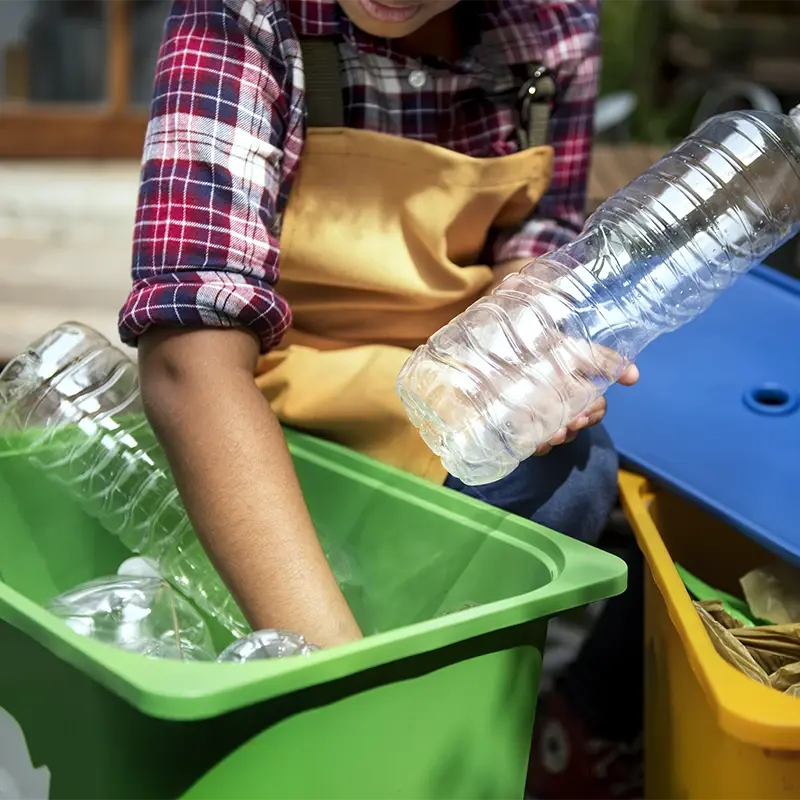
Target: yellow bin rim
[744, 708]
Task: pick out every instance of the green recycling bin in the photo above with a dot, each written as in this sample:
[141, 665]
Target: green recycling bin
[437, 703]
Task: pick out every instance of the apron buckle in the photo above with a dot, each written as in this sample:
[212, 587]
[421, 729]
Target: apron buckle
[534, 104]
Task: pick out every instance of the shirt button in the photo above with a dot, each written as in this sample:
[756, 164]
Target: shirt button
[417, 78]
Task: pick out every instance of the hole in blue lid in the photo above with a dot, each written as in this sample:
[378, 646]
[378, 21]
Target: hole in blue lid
[771, 398]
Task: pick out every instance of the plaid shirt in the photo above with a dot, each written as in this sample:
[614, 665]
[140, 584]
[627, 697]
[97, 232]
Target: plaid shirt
[227, 128]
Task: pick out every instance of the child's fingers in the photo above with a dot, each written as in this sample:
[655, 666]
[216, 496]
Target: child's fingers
[596, 412]
[558, 439]
[609, 363]
[629, 376]
[591, 416]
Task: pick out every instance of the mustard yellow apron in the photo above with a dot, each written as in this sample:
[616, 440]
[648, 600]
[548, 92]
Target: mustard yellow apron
[379, 246]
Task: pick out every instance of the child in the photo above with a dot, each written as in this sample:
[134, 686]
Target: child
[396, 160]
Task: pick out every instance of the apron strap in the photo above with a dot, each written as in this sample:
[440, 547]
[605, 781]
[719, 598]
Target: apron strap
[325, 105]
[322, 67]
[534, 101]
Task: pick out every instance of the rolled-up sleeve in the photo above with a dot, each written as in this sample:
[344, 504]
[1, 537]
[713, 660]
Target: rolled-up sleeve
[204, 251]
[560, 214]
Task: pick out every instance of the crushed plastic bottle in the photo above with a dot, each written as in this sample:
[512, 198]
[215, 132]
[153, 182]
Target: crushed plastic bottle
[75, 400]
[266, 644]
[136, 614]
[512, 370]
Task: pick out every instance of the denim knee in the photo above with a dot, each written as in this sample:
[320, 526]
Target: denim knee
[581, 505]
[571, 490]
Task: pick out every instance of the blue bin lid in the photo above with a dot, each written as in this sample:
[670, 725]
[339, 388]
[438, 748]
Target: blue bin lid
[716, 414]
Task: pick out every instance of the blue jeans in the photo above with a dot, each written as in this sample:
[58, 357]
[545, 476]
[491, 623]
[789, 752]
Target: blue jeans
[572, 490]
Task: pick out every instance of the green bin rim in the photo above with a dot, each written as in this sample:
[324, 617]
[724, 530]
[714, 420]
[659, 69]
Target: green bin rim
[197, 690]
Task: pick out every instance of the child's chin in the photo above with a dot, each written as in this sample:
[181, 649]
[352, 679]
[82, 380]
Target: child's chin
[389, 30]
[385, 29]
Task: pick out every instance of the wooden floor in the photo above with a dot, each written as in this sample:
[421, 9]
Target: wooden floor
[615, 166]
[65, 233]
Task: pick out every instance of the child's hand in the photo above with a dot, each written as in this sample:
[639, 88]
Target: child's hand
[592, 416]
[610, 363]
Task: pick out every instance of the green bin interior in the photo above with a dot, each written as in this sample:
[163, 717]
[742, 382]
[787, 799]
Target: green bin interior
[438, 703]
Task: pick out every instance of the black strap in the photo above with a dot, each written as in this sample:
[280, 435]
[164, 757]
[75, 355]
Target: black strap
[322, 67]
[325, 105]
[535, 98]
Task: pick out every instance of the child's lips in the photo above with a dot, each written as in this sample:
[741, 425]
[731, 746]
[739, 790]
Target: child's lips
[386, 12]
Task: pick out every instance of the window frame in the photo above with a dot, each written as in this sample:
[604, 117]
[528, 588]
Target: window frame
[112, 129]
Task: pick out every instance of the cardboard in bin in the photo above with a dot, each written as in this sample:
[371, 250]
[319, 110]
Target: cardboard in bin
[431, 706]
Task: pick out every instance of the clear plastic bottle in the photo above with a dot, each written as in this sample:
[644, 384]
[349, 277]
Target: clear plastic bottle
[507, 374]
[75, 401]
[265, 644]
[139, 614]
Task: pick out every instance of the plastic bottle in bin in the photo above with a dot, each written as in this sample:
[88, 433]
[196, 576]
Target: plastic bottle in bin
[507, 374]
[139, 614]
[74, 400]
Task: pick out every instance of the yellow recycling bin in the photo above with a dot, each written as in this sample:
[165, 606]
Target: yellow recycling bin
[710, 731]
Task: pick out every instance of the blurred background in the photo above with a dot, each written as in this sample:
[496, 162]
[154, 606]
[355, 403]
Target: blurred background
[75, 78]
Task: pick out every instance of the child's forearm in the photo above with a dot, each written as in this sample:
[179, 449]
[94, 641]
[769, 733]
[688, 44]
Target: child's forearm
[238, 483]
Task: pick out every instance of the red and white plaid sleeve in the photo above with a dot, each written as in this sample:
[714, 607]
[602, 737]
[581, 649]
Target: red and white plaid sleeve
[560, 214]
[223, 133]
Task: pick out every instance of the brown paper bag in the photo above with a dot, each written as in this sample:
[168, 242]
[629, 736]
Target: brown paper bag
[726, 644]
[787, 679]
[769, 654]
[773, 646]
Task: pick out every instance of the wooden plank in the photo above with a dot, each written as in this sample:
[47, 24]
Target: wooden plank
[615, 166]
[118, 65]
[73, 132]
